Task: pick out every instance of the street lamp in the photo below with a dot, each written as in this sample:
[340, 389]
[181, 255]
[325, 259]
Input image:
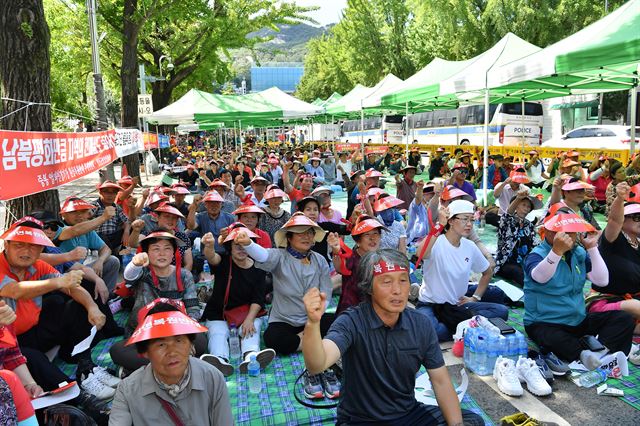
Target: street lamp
[169, 65]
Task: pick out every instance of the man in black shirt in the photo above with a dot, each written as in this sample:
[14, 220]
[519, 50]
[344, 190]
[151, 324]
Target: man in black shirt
[382, 345]
[437, 164]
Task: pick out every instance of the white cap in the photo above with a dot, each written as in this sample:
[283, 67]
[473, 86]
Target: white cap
[460, 207]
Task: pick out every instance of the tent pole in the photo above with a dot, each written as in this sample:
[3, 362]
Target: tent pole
[634, 112]
[240, 134]
[159, 155]
[362, 135]
[485, 159]
[522, 130]
[235, 137]
[406, 129]
[458, 125]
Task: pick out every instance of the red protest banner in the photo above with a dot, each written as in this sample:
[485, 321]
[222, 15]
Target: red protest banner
[376, 149]
[150, 141]
[36, 161]
[347, 147]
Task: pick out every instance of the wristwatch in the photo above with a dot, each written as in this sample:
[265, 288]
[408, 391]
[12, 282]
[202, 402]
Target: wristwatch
[478, 298]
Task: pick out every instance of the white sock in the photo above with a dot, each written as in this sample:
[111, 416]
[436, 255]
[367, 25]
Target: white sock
[590, 359]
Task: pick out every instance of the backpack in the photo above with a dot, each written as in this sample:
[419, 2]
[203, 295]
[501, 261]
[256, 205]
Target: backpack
[66, 415]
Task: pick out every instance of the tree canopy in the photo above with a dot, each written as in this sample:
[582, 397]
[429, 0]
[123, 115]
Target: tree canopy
[378, 37]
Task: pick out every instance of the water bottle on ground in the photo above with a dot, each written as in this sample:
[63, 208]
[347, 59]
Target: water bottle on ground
[234, 342]
[255, 381]
[592, 378]
[513, 348]
[492, 351]
[523, 347]
[470, 362]
[481, 353]
[466, 353]
[503, 346]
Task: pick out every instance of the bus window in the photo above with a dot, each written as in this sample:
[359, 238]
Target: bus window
[397, 119]
[530, 108]
[439, 117]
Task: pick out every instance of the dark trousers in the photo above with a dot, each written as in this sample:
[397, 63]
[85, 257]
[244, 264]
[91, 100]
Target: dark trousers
[63, 321]
[114, 241]
[421, 414]
[47, 375]
[283, 338]
[130, 360]
[614, 330]
[513, 272]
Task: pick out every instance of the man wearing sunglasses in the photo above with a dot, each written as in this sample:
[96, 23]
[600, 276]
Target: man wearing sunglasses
[459, 180]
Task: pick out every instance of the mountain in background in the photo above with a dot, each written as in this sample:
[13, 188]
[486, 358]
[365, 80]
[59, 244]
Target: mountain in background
[287, 45]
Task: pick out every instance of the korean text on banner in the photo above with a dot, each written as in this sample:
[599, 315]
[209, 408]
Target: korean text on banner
[36, 161]
[376, 149]
[150, 141]
[163, 141]
[343, 147]
[128, 141]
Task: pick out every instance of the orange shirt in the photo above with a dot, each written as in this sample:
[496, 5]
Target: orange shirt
[27, 310]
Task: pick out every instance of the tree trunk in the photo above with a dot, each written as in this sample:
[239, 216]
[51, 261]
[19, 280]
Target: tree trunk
[25, 71]
[129, 78]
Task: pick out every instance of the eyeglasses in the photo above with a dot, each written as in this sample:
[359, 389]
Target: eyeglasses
[464, 219]
[463, 171]
[635, 217]
[52, 226]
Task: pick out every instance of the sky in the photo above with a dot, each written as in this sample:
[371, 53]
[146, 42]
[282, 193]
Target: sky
[329, 12]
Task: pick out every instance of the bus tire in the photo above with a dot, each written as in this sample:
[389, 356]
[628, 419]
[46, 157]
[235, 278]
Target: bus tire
[464, 142]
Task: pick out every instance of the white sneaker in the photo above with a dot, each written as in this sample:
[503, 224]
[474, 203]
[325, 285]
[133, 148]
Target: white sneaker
[634, 354]
[103, 375]
[529, 373]
[96, 388]
[506, 377]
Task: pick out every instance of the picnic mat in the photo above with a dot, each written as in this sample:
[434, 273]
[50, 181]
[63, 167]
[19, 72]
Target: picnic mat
[275, 405]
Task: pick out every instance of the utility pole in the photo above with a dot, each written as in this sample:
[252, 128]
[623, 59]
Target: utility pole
[601, 97]
[101, 106]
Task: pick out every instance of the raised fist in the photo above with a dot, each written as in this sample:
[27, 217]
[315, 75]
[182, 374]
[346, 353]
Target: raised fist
[138, 225]
[141, 259]
[109, 212]
[77, 254]
[208, 240]
[243, 239]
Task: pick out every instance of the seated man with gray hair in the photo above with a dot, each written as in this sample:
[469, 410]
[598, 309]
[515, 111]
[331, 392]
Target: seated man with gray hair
[401, 340]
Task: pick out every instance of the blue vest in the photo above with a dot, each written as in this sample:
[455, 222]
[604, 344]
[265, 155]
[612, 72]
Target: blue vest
[561, 299]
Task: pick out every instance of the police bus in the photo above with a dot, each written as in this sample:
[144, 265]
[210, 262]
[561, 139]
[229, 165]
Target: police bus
[386, 129]
[440, 127]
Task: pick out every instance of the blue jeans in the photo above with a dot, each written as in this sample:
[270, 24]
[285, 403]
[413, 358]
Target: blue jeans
[489, 307]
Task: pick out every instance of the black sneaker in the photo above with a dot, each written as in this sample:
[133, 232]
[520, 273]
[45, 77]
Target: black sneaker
[264, 358]
[330, 384]
[225, 368]
[557, 366]
[312, 385]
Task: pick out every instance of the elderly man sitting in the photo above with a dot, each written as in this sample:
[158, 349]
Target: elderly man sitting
[174, 388]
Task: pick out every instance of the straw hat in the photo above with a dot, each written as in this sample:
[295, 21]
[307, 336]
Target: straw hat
[298, 223]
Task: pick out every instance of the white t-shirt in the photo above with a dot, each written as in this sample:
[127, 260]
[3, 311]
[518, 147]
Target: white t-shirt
[445, 273]
[346, 166]
[507, 194]
[535, 172]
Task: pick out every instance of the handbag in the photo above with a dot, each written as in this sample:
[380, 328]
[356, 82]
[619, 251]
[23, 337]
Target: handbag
[238, 314]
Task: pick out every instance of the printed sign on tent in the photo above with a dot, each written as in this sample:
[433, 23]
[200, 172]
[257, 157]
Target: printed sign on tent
[163, 141]
[150, 141]
[36, 161]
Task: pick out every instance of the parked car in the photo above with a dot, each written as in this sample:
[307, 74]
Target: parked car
[595, 137]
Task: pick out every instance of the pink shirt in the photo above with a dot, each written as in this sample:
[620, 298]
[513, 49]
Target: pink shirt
[336, 218]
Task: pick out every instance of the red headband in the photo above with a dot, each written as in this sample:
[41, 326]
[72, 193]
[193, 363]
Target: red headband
[383, 267]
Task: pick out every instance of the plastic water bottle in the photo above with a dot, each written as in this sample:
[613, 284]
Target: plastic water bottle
[206, 273]
[592, 378]
[523, 348]
[492, 351]
[481, 353]
[503, 346]
[513, 348]
[234, 342]
[255, 382]
[470, 350]
[476, 219]
[466, 354]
